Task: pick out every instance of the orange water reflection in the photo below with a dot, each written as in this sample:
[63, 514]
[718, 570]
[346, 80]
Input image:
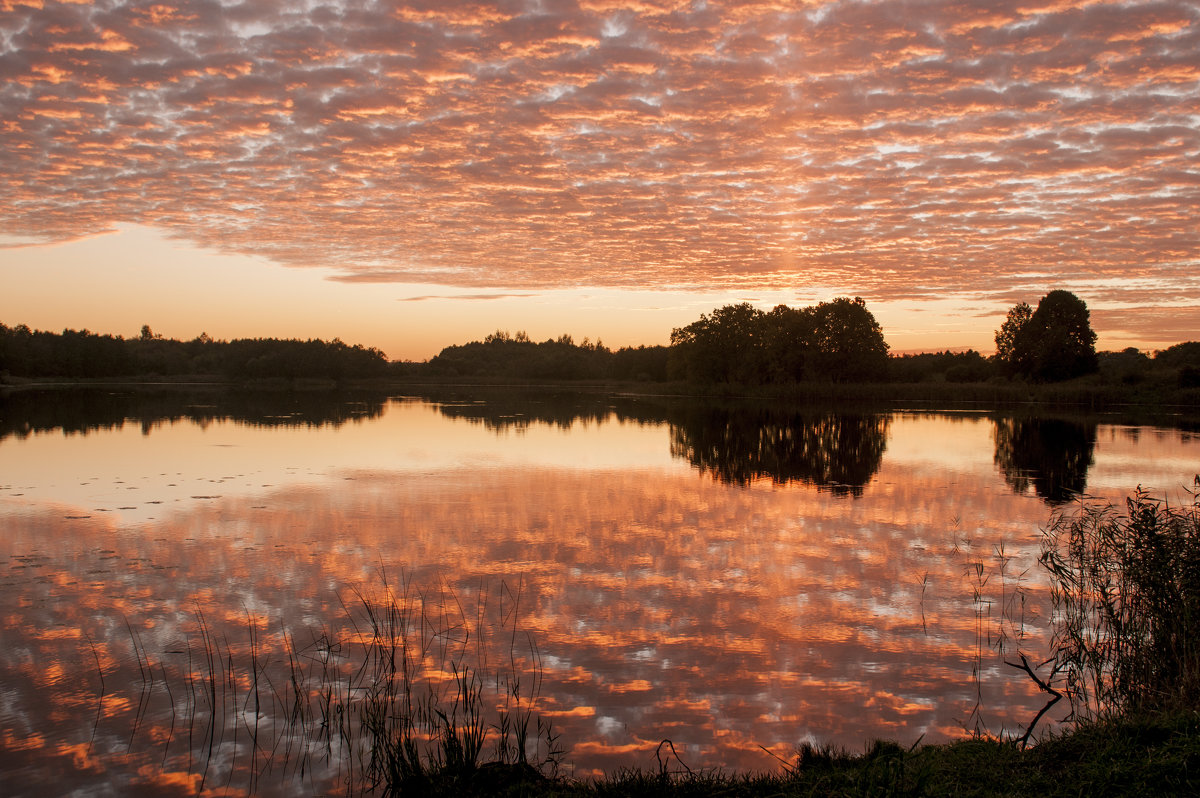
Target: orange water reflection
[666, 604]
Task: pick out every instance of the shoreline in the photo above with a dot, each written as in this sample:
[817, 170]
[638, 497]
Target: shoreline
[1083, 396]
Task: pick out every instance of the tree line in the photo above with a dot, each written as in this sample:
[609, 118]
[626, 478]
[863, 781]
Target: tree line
[80, 353]
[501, 355]
[838, 341]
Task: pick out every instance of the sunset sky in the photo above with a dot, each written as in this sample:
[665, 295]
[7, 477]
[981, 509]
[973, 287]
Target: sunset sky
[410, 175]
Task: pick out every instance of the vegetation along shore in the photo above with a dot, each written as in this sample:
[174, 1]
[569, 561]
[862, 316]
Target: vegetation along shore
[829, 352]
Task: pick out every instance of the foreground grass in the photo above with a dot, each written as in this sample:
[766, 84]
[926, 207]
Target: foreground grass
[1152, 755]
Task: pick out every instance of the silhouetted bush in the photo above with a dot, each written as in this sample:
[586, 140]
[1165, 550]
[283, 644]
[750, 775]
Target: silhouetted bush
[959, 367]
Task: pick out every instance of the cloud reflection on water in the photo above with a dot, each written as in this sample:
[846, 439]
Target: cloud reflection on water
[670, 605]
[667, 603]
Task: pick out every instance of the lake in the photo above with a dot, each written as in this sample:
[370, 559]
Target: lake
[737, 578]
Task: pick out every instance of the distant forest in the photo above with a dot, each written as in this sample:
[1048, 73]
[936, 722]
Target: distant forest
[834, 342]
[83, 354]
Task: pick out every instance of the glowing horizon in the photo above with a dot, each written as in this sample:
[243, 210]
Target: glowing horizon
[416, 175]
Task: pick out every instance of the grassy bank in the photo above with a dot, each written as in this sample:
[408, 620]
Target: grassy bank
[1150, 755]
[1087, 394]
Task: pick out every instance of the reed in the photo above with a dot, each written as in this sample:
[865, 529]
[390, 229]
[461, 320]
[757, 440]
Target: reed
[998, 595]
[1126, 591]
[412, 692]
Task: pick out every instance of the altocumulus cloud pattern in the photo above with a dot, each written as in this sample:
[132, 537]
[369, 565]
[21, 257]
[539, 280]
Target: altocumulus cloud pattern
[912, 148]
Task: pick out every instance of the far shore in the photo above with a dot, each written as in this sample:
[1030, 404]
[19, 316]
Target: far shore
[1086, 395]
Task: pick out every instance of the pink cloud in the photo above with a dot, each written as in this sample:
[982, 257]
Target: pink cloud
[899, 148]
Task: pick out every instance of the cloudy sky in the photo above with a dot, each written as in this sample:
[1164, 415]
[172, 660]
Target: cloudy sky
[415, 174]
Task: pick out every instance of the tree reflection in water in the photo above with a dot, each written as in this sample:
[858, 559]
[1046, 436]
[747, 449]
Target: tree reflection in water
[86, 409]
[833, 451]
[1052, 455]
[737, 445]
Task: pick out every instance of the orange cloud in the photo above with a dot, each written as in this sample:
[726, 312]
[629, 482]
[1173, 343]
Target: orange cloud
[897, 149]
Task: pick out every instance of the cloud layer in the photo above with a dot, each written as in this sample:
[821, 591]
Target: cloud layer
[906, 149]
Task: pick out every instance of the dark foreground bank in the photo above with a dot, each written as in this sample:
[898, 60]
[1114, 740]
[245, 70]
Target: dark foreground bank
[1150, 755]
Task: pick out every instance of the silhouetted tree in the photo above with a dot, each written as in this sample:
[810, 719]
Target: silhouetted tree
[8, 349]
[789, 345]
[1061, 337]
[726, 346]
[1055, 342]
[1183, 360]
[838, 340]
[1009, 348]
[849, 342]
[1179, 356]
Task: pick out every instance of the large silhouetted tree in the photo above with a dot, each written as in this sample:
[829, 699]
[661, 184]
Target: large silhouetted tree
[838, 340]
[1054, 342]
[725, 346]
[849, 342]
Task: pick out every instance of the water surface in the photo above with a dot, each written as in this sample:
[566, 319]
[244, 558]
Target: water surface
[738, 579]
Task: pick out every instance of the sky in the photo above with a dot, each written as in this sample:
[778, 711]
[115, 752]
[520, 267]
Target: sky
[411, 175]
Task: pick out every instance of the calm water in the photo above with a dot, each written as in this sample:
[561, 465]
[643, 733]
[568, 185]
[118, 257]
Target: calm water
[732, 578]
